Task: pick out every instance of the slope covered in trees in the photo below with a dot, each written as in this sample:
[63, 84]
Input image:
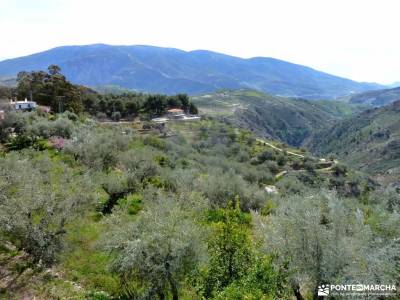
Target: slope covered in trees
[95, 211]
[170, 71]
[368, 141]
[292, 121]
[375, 98]
[52, 89]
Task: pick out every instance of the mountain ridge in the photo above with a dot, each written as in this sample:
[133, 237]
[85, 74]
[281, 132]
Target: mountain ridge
[375, 98]
[369, 141]
[171, 70]
[291, 121]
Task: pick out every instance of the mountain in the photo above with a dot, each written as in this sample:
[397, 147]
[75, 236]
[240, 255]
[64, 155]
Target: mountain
[394, 84]
[375, 98]
[168, 70]
[291, 121]
[369, 141]
[8, 81]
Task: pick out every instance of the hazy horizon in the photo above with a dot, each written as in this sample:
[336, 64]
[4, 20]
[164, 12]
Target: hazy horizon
[355, 40]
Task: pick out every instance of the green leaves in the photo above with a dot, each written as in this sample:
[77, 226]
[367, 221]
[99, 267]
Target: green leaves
[155, 253]
[40, 197]
[50, 89]
[235, 269]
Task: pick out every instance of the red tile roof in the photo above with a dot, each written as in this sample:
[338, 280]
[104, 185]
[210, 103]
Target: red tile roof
[175, 110]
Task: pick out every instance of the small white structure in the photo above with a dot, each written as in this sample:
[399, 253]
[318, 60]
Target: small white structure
[2, 115]
[271, 189]
[23, 105]
[160, 120]
[176, 114]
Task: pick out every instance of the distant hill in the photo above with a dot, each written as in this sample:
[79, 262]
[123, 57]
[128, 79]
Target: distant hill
[369, 141]
[8, 81]
[375, 98]
[167, 70]
[394, 84]
[291, 121]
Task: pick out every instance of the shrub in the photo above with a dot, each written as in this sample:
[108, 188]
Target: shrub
[70, 116]
[154, 257]
[62, 127]
[38, 199]
[99, 150]
[155, 142]
[230, 251]
[116, 116]
[326, 238]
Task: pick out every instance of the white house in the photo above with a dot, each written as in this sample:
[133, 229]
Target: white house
[23, 105]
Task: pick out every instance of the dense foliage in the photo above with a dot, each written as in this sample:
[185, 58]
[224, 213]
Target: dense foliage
[292, 121]
[50, 89]
[54, 90]
[368, 141]
[127, 213]
[129, 104]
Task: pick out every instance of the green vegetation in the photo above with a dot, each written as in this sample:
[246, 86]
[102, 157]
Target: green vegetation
[51, 89]
[369, 142]
[110, 212]
[170, 71]
[374, 98]
[129, 104]
[187, 210]
[292, 121]
[54, 90]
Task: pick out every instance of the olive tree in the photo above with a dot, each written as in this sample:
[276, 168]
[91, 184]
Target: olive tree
[327, 240]
[37, 199]
[95, 148]
[155, 253]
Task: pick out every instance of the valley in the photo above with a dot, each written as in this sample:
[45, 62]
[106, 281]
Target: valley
[115, 195]
[367, 141]
[199, 150]
[291, 121]
[375, 98]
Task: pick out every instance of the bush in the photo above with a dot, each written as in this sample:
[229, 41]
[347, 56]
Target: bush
[61, 127]
[116, 116]
[70, 116]
[155, 142]
[13, 122]
[153, 257]
[327, 238]
[272, 167]
[99, 150]
[38, 199]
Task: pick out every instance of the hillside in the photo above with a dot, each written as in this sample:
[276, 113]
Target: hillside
[167, 70]
[291, 121]
[138, 211]
[375, 98]
[369, 141]
[8, 81]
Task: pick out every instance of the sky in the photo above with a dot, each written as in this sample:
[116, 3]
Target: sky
[357, 39]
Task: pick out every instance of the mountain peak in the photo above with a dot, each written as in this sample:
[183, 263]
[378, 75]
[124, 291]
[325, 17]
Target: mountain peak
[170, 70]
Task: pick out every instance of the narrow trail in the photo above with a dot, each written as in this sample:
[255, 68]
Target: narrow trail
[279, 149]
[283, 173]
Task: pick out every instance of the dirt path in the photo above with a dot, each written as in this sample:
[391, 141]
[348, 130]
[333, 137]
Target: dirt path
[279, 149]
[283, 173]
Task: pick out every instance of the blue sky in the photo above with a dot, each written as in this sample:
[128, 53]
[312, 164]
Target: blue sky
[357, 39]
